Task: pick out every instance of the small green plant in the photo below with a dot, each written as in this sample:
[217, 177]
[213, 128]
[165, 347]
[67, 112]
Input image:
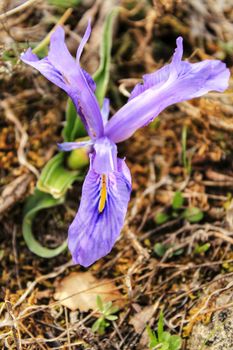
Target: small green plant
[177, 201]
[191, 214]
[201, 249]
[160, 249]
[107, 313]
[163, 340]
[161, 218]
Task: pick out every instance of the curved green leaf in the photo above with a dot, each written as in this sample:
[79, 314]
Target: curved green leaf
[55, 178]
[35, 203]
[73, 128]
[101, 76]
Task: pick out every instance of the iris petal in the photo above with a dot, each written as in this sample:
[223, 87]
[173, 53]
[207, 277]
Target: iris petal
[69, 146]
[176, 82]
[105, 159]
[92, 234]
[61, 68]
[105, 110]
[45, 67]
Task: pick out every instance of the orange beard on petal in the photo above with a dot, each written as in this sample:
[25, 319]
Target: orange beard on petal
[103, 193]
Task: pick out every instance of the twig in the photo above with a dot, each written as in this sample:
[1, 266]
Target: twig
[46, 40]
[136, 244]
[23, 137]
[41, 278]
[15, 329]
[15, 253]
[34, 339]
[67, 328]
[17, 9]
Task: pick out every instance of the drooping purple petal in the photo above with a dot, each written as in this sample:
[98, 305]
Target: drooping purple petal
[176, 82]
[105, 159]
[92, 234]
[69, 146]
[62, 69]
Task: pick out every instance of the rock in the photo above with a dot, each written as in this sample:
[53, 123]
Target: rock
[218, 333]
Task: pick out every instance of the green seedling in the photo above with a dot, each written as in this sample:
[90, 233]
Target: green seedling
[160, 249]
[193, 214]
[107, 313]
[161, 218]
[200, 249]
[178, 200]
[163, 340]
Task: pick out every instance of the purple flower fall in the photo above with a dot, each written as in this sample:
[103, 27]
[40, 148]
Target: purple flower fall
[107, 186]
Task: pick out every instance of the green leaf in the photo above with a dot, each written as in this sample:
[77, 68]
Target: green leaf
[73, 128]
[112, 317]
[186, 160]
[55, 179]
[113, 310]
[201, 248]
[153, 341]
[178, 252]
[160, 249]
[161, 218]
[193, 214]
[175, 342]
[101, 76]
[96, 325]
[160, 327]
[165, 337]
[35, 203]
[64, 4]
[99, 303]
[107, 307]
[178, 200]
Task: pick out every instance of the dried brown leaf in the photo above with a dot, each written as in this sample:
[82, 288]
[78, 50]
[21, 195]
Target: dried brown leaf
[140, 319]
[79, 290]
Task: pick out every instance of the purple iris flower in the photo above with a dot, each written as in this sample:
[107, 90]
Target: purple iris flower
[107, 186]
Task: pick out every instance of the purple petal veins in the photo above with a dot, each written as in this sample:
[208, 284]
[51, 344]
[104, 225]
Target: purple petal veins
[92, 234]
[61, 68]
[107, 186]
[176, 82]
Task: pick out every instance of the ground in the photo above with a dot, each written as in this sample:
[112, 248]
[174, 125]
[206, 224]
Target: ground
[175, 250]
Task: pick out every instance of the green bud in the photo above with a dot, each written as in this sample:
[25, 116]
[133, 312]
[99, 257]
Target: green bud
[78, 159]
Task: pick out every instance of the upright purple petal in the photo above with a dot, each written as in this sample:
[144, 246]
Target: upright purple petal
[176, 82]
[61, 68]
[84, 40]
[92, 234]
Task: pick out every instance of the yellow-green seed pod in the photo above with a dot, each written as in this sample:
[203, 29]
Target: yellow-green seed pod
[78, 159]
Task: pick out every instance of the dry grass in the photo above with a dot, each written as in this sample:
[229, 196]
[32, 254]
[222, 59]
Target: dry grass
[30, 127]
